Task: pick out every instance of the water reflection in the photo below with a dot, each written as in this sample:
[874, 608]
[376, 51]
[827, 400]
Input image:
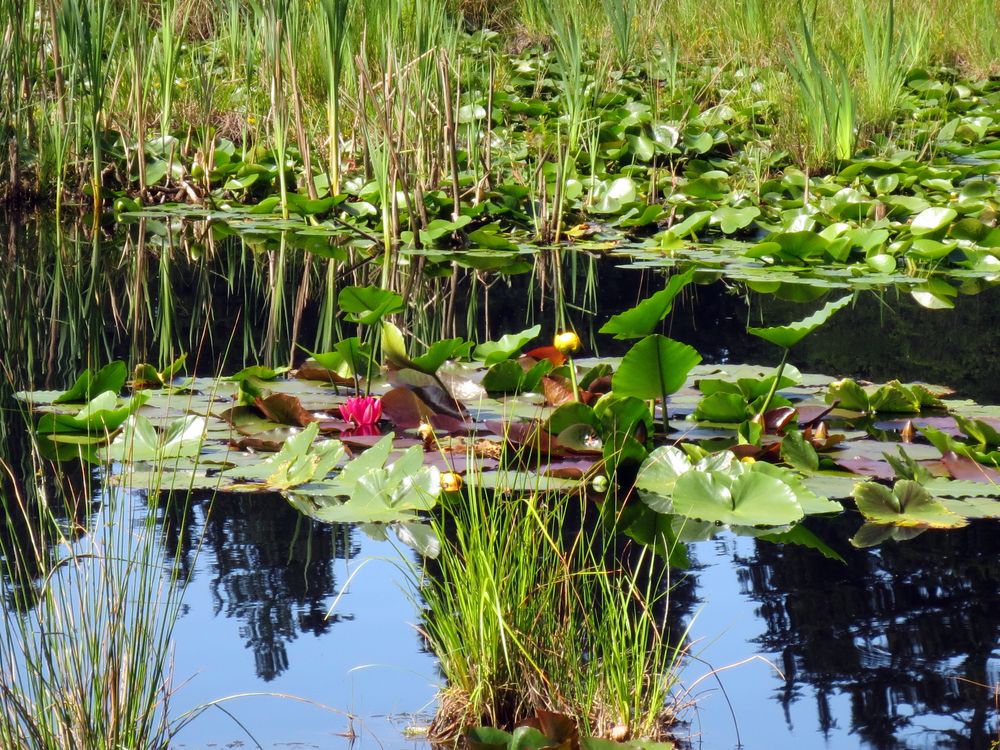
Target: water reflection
[270, 568]
[908, 631]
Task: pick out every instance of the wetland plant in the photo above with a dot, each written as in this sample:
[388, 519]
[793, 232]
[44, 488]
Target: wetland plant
[534, 604]
[826, 102]
[86, 634]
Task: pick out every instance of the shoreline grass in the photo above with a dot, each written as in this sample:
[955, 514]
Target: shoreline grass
[84, 112]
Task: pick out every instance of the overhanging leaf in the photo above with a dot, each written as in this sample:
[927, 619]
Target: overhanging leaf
[789, 335]
[642, 319]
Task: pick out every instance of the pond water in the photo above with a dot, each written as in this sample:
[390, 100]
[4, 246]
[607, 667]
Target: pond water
[899, 647]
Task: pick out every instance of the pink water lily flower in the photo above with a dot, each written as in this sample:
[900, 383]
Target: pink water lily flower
[362, 410]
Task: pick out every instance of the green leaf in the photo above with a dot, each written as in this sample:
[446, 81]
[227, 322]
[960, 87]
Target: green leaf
[690, 224]
[298, 461]
[722, 407]
[800, 535]
[643, 319]
[487, 738]
[368, 304]
[257, 372]
[440, 352]
[654, 367]
[797, 452]
[848, 395]
[350, 358]
[394, 346]
[139, 441]
[656, 531]
[111, 377]
[528, 738]
[809, 501]
[507, 376]
[733, 219]
[659, 474]
[751, 499]
[789, 335]
[492, 352]
[569, 414]
[931, 220]
[101, 416]
[907, 504]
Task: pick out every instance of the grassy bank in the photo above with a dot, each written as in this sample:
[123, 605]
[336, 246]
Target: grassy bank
[191, 101]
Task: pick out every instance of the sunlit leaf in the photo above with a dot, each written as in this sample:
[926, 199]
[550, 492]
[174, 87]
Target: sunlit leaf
[789, 335]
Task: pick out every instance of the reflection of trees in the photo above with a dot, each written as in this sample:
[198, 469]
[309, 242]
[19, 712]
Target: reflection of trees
[877, 338]
[908, 631]
[272, 570]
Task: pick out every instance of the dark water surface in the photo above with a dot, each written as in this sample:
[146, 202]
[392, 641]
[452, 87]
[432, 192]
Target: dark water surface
[897, 648]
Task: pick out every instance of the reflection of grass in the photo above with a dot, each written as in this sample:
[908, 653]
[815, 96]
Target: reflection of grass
[527, 610]
[86, 640]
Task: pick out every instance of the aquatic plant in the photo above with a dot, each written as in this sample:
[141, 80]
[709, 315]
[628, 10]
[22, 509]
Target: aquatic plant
[515, 577]
[362, 410]
[86, 640]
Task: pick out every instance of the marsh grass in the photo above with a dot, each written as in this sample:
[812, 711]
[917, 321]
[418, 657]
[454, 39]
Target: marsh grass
[88, 79]
[534, 604]
[887, 55]
[86, 636]
[826, 101]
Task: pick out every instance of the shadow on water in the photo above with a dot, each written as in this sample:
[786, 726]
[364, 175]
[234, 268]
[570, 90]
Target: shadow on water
[895, 649]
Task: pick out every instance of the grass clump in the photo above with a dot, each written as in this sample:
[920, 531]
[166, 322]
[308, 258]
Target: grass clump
[531, 605]
[85, 640]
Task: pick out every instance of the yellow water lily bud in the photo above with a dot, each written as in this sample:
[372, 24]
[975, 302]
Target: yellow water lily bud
[451, 481]
[566, 342]
[748, 460]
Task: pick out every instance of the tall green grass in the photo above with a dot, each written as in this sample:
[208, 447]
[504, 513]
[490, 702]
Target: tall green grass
[84, 81]
[85, 640]
[826, 101]
[527, 608]
[887, 56]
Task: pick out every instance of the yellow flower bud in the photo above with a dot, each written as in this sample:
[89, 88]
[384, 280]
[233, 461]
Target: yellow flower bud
[566, 342]
[451, 481]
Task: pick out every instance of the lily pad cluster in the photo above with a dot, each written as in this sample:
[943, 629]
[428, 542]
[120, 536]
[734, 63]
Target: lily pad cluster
[753, 449]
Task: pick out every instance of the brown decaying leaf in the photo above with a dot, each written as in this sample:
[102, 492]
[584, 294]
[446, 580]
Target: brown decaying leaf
[284, 409]
[766, 452]
[868, 467]
[777, 420]
[576, 469]
[527, 435]
[558, 391]
[405, 409]
[312, 371]
[811, 415]
[550, 353]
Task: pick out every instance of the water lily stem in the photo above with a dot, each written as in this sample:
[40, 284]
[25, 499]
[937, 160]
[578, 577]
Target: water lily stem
[572, 378]
[774, 385]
